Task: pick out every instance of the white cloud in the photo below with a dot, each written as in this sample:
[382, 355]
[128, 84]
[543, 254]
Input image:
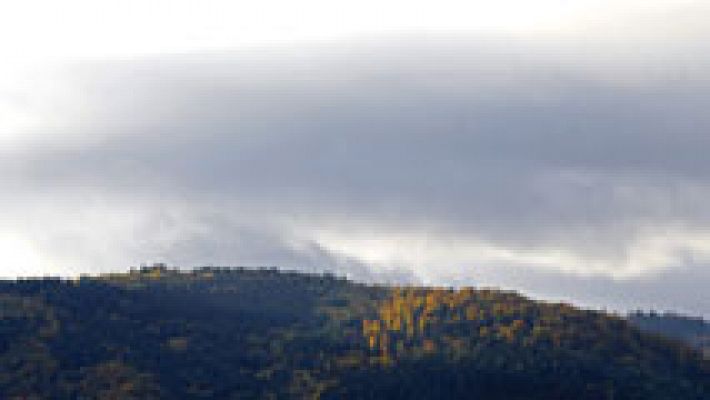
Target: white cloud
[85, 28]
[21, 258]
[454, 256]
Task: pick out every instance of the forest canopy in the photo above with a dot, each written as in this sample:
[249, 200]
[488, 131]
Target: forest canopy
[214, 332]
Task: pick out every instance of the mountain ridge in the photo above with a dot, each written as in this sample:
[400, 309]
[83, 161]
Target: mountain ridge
[215, 332]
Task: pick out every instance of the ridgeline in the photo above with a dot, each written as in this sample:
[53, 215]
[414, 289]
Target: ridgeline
[262, 333]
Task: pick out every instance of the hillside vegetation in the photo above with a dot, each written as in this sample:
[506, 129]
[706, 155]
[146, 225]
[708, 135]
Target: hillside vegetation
[239, 333]
[694, 331]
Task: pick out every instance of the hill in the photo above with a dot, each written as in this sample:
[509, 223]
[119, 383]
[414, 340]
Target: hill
[694, 331]
[240, 333]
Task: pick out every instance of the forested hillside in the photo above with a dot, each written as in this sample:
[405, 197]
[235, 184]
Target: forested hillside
[694, 331]
[238, 333]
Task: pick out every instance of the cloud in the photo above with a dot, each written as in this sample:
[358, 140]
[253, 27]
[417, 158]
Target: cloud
[423, 161]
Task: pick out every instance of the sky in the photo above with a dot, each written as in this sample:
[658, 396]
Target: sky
[552, 147]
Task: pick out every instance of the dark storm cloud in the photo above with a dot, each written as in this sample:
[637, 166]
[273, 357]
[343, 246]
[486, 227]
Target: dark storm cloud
[528, 152]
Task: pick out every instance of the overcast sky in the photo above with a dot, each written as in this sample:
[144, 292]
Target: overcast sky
[555, 147]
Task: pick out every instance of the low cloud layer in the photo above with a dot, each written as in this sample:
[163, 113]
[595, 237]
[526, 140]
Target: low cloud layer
[542, 167]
